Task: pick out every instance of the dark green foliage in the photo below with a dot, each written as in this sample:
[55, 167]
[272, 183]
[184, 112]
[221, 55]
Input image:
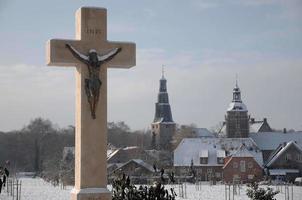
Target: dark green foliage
[124, 190]
[254, 192]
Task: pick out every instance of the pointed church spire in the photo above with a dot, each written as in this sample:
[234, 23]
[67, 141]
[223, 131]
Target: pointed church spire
[163, 109]
[237, 104]
[163, 126]
[163, 72]
[237, 92]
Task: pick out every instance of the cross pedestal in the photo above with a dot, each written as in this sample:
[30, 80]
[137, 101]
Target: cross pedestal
[91, 134]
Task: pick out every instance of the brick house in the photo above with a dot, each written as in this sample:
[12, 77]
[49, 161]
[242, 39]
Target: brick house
[285, 162]
[206, 155]
[138, 171]
[123, 155]
[242, 167]
[268, 142]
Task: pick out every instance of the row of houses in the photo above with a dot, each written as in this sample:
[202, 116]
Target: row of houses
[273, 155]
[276, 155]
[219, 158]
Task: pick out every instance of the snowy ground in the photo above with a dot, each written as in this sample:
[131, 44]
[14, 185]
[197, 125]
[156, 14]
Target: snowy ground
[37, 189]
[205, 191]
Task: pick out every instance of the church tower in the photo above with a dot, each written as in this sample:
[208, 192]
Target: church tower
[237, 119]
[163, 126]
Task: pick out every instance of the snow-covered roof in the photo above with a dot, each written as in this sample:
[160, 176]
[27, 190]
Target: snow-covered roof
[117, 165]
[204, 154]
[271, 140]
[190, 148]
[242, 152]
[142, 163]
[282, 150]
[130, 147]
[111, 153]
[139, 162]
[255, 127]
[220, 153]
[202, 132]
[282, 172]
[237, 106]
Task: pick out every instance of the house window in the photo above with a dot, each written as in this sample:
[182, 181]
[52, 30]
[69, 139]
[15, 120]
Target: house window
[250, 165]
[299, 157]
[218, 174]
[220, 160]
[236, 177]
[235, 165]
[242, 166]
[250, 176]
[209, 170]
[203, 160]
[288, 156]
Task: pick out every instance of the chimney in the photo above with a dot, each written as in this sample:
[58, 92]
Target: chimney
[265, 120]
[284, 130]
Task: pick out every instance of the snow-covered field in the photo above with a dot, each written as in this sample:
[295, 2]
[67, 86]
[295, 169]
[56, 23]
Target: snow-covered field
[218, 192]
[37, 189]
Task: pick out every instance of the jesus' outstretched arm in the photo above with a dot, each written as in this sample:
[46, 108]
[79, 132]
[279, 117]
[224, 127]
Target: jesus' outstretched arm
[77, 54]
[109, 56]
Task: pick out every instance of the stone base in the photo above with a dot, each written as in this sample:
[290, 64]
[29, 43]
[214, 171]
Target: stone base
[91, 194]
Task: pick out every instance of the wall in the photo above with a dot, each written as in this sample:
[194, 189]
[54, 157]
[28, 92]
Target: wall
[251, 168]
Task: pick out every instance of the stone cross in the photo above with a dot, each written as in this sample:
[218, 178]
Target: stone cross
[91, 134]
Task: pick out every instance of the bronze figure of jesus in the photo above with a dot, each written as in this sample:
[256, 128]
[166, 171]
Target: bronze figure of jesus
[93, 83]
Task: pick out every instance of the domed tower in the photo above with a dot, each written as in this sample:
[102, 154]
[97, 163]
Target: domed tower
[237, 119]
[163, 126]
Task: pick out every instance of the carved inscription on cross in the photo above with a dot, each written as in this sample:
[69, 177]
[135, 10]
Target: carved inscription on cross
[91, 134]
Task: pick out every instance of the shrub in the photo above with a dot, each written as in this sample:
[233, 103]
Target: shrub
[254, 192]
[124, 190]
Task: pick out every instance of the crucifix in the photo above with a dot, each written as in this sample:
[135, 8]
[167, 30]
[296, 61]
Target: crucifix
[91, 54]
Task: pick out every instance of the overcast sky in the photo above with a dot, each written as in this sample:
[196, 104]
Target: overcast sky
[202, 43]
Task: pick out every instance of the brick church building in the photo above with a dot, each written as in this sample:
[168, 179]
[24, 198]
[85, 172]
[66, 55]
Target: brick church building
[237, 119]
[238, 123]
